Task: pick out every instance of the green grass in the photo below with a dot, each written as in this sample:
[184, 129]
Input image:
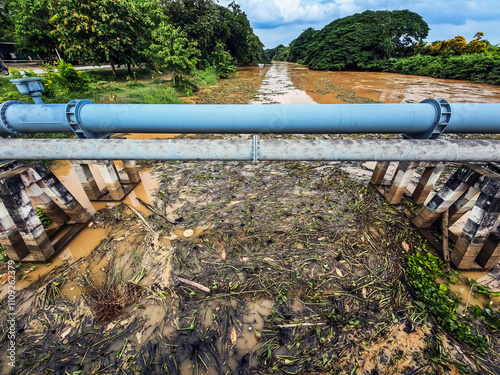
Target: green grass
[157, 94]
[208, 77]
[121, 74]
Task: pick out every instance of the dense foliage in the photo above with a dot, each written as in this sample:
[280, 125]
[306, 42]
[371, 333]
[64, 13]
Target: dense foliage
[478, 68]
[353, 42]
[99, 32]
[173, 51]
[37, 36]
[391, 41]
[279, 53]
[457, 46]
[298, 47]
[181, 35]
[7, 26]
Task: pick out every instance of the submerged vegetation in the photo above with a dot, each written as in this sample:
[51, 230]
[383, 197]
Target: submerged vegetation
[270, 268]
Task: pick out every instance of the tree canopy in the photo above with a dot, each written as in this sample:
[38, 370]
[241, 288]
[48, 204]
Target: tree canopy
[32, 27]
[172, 50]
[355, 41]
[127, 31]
[6, 24]
[298, 47]
[114, 31]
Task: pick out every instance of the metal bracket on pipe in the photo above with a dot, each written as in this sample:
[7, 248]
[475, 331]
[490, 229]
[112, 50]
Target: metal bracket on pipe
[73, 120]
[255, 148]
[443, 116]
[31, 87]
[3, 119]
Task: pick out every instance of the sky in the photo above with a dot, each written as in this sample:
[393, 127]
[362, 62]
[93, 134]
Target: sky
[280, 21]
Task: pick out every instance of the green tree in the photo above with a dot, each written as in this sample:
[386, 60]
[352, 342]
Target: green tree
[210, 25]
[32, 28]
[238, 26]
[281, 53]
[298, 47]
[114, 31]
[456, 46]
[172, 50]
[256, 52]
[357, 41]
[222, 61]
[199, 19]
[6, 24]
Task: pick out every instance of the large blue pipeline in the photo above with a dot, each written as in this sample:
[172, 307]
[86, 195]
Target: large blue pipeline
[413, 119]
[426, 120]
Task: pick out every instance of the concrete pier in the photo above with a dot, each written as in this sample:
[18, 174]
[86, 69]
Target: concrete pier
[86, 180]
[115, 188]
[22, 234]
[476, 189]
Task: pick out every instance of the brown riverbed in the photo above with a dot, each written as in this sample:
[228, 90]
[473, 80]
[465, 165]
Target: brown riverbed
[287, 83]
[303, 263]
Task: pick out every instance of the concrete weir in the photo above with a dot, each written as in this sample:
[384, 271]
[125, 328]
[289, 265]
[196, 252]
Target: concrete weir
[473, 189]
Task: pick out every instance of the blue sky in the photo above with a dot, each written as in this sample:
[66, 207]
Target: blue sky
[281, 21]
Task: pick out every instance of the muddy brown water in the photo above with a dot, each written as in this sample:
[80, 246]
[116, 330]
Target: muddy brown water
[287, 83]
[281, 83]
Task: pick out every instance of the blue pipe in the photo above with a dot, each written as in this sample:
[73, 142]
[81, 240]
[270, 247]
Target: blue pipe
[21, 118]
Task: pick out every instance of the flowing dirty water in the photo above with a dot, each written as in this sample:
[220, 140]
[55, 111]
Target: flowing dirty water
[274, 268]
[369, 87]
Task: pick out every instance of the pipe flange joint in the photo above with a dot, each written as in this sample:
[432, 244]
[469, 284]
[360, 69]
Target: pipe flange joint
[3, 119]
[442, 119]
[74, 122]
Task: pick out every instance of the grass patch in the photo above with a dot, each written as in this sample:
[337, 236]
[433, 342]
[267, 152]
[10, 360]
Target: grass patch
[157, 94]
[208, 77]
[121, 75]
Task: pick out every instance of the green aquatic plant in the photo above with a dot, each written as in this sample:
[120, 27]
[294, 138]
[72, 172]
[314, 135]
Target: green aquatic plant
[423, 269]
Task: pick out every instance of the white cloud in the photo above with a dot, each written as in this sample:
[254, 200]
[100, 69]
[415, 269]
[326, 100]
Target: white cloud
[289, 11]
[446, 31]
[281, 21]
